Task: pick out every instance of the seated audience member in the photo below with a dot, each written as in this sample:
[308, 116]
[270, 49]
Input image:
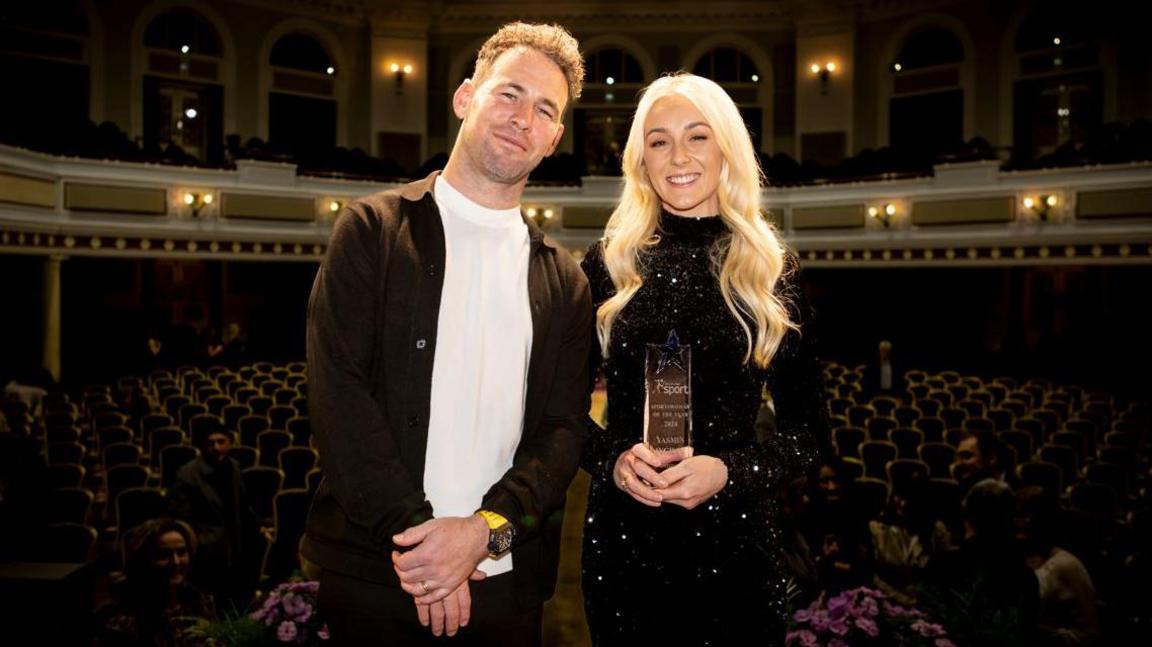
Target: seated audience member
[795, 551]
[904, 539]
[1068, 613]
[26, 391]
[979, 456]
[153, 601]
[212, 346]
[985, 587]
[835, 531]
[209, 494]
[235, 351]
[23, 514]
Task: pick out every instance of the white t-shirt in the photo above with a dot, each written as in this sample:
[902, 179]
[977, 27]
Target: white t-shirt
[480, 370]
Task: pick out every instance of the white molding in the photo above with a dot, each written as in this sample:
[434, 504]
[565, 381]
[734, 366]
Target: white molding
[960, 181]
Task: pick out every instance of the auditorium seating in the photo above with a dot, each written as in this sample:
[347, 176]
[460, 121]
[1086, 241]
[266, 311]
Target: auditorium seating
[1083, 446]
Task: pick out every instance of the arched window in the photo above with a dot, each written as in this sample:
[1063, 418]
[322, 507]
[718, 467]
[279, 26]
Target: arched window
[733, 69]
[926, 111]
[38, 41]
[183, 97]
[726, 65]
[610, 66]
[1059, 91]
[301, 52]
[302, 105]
[184, 31]
[604, 114]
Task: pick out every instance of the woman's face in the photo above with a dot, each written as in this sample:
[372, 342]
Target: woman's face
[172, 557]
[681, 157]
[829, 484]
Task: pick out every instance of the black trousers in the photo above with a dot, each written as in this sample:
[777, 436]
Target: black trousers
[362, 613]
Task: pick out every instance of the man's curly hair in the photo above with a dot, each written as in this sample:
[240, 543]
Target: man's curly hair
[552, 41]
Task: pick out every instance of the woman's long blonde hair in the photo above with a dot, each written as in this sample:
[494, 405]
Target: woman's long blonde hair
[748, 263]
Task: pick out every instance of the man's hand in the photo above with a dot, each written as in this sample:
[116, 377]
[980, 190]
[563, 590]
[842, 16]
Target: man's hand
[445, 553]
[450, 614]
[694, 481]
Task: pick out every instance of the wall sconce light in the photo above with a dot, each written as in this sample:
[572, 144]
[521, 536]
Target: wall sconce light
[823, 72]
[540, 215]
[197, 201]
[883, 214]
[334, 206]
[399, 72]
[1041, 205]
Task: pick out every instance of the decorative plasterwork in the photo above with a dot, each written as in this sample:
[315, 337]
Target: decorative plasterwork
[26, 240]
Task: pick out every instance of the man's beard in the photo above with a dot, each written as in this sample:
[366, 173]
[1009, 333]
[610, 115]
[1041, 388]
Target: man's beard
[497, 167]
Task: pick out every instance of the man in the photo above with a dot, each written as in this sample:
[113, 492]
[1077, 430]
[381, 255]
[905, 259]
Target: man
[980, 455]
[447, 347]
[985, 584]
[883, 377]
[209, 494]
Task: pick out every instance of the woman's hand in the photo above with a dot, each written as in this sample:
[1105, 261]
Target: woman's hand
[637, 472]
[693, 481]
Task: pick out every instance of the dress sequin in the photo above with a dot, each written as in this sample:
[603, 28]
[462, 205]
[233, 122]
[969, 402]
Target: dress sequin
[712, 575]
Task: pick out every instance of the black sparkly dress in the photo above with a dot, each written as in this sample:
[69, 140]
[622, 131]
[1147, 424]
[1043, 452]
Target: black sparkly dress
[712, 575]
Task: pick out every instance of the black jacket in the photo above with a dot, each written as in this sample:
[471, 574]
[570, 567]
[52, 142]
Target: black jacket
[371, 342]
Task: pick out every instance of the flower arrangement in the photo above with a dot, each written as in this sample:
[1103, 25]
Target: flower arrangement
[291, 609]
[862, 616]
[285, 615]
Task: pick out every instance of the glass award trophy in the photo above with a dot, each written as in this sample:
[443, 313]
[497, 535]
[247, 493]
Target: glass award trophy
[668, 399]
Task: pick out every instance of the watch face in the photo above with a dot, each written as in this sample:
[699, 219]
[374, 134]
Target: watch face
[500, 540]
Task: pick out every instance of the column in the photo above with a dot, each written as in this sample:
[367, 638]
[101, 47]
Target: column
[52, 314]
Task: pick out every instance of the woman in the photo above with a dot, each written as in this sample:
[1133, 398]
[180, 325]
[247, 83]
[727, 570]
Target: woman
[836, 528]
[154, 601]
[684, 545]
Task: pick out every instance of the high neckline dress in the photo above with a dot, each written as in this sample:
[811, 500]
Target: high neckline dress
[712, 575]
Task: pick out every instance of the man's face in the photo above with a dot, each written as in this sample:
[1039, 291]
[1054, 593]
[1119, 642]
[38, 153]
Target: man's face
[512, 119]
[969, 459]
[218, 446]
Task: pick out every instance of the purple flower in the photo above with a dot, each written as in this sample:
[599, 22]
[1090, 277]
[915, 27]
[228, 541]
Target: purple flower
[868, 626]
[323, 634]
[838, 627]
[286, 632]
[807, 638]
[802, 615]
[820, 621]
[305, 612]
[838, 606]
[869, 607]
[927, 629]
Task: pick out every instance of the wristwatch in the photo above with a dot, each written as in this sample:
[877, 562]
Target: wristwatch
[500, 533]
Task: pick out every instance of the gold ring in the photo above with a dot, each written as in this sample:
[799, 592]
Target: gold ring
[624, 482]
[424, 588]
